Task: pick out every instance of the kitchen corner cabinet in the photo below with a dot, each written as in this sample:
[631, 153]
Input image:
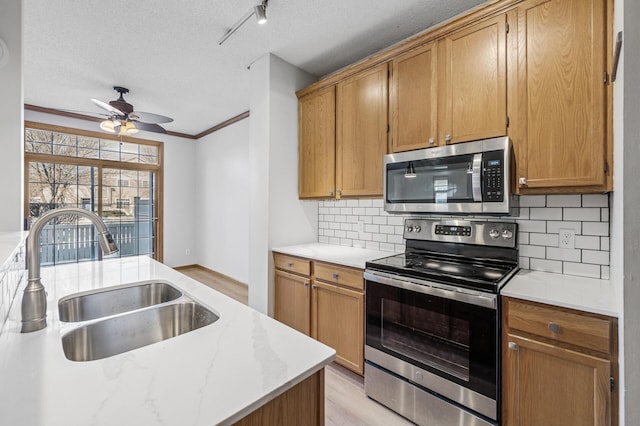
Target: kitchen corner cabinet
[316, 169]
[413, 99]
[324, 301]
[473, 82]
[559, 366]
[561, 135]
[361, 132]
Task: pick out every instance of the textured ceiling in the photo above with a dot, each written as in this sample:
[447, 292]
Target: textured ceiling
[167, 52]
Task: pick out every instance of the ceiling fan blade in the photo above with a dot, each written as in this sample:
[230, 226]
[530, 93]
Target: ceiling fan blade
[148, 117]
[107, 107]
[149, 127]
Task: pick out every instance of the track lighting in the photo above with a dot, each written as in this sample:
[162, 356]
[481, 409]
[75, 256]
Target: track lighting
[260, 12]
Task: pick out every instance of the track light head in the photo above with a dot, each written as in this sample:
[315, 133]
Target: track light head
[261, 13]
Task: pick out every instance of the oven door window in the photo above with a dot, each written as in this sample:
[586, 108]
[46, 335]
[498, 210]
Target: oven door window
[440, 180]
[452, 339]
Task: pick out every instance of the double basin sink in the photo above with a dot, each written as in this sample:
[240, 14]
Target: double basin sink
[120, 319]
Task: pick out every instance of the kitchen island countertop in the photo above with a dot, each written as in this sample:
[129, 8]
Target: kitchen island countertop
[213, 375]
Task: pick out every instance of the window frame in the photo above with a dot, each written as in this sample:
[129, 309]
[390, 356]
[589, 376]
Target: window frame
[100, 164]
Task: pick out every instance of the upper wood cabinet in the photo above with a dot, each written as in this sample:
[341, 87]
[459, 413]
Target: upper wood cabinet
[316, 144]
[473, 82]
[413, 99]
[561, 137]
[361, 132]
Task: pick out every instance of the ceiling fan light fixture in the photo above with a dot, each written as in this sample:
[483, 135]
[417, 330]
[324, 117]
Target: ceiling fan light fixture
[128, 128]
[108, 126]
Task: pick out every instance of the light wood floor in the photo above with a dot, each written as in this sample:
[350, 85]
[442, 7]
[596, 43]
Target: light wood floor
[345, 401]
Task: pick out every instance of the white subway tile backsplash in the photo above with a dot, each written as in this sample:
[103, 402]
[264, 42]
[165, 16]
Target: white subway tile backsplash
[549, 213]
[587, 242]
[545, 265]
[584, 214]
[569, 255]
[596, 228]
[533, 201]
[550, 240]
[564, 201]
[581, 269]
[541, 218]
[553, 226]
[595, 200]
[596, 257]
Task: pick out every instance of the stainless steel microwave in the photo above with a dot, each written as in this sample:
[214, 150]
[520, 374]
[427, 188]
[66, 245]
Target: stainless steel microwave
[466, 178]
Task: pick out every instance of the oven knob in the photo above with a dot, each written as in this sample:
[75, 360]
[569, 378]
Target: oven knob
[494, 233]
[416, 228]
[409, 228]
[507, 235]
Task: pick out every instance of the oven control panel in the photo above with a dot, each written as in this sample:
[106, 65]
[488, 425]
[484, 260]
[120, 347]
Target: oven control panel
[497, 234]
[460, 231]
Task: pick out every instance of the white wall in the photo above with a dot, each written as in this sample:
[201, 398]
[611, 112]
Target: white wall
[222, 201]
[11, 122]
[276, 216]
[179, 186]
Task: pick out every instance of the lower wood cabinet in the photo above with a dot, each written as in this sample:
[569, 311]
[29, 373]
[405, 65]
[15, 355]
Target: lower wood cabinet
[327, 303]
[559, 366]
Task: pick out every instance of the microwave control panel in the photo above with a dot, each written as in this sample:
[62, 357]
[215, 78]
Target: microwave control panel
[492, 176]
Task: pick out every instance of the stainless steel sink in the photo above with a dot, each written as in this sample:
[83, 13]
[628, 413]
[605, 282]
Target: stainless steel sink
[104, 303]
[123, 333]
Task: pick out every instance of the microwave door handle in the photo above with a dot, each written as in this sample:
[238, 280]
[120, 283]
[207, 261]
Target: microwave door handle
[476, 184]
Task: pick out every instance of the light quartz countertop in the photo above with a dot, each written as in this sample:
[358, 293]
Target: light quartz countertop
[568, 291]
[341, 255]
[214, 375]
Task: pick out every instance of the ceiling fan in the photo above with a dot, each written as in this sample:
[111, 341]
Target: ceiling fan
[123, 120]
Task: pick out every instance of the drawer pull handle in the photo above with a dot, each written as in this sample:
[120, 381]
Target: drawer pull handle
[513, 346]
[554, 328]
[335, 276]
[289, 264]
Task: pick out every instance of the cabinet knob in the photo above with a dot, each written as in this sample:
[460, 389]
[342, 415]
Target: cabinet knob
[432, 141]
[313, 287]
[554, 328]
[447, 138]
[306, 284]
[335, 276]
[522, 181]
[331, 192]
[289, 264]
[339, 191]
[513, 346]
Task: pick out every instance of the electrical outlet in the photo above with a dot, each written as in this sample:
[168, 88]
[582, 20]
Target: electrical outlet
[566, 238]
[187, 252]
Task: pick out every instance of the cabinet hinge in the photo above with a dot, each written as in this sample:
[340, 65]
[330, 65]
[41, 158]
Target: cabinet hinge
[507, 121]
[613, 383]
[606, 167]
[606, 78]
[388, 128]
[507, 29]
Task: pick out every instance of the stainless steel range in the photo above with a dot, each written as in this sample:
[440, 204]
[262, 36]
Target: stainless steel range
[432, 340]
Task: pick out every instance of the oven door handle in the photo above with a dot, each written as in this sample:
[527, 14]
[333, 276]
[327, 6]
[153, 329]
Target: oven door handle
[427, 287]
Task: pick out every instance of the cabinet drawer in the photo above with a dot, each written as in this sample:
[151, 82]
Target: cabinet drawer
[293, 264]
[350, 277]
[563, 326]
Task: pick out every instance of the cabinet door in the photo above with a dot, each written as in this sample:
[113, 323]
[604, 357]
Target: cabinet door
[472, 70]
[338, 321]
[414, 99]
[361, 132]
[561, 93]
[552, 386]
[292, 301]
[316, 145]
